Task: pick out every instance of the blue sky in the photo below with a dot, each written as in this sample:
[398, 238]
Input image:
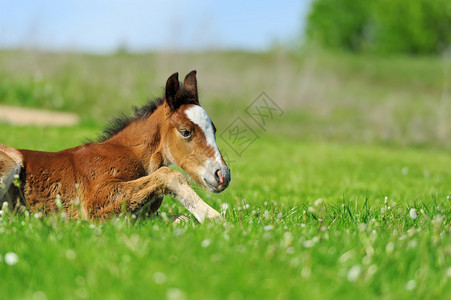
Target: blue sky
[102, 25]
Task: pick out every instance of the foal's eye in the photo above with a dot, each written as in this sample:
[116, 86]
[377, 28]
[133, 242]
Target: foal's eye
[185, 133]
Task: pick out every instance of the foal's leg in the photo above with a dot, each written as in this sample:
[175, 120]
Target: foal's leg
[183, 192]
[163, 181]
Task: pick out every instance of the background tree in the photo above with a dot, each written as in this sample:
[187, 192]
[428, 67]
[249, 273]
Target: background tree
[381, 26]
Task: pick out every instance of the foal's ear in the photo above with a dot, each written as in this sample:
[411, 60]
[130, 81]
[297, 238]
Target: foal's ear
[190, 83]
[172, 87]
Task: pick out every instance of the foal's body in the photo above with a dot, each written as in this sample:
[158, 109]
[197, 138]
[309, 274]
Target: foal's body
[128, 168]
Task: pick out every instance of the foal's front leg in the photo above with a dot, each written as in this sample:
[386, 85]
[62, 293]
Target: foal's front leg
[163, 181]
[182, 191]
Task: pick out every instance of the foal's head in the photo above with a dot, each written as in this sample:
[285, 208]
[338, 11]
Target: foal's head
[189, 135]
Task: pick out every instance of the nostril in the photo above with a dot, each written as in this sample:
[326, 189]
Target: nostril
[219, 176]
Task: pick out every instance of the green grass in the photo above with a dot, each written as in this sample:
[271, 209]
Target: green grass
[264, 251]
[279, 240]
[305, 212]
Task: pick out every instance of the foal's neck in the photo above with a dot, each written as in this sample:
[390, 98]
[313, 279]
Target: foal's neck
[143, 137]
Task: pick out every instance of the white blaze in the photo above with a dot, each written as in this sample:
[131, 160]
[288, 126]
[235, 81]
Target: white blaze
[199, 116]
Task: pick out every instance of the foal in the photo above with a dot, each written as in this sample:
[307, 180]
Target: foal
[127, 168]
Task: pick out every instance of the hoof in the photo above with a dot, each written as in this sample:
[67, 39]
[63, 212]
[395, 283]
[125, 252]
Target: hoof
[179, 219]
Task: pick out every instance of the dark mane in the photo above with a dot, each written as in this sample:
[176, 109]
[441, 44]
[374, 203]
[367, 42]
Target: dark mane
[119, 123]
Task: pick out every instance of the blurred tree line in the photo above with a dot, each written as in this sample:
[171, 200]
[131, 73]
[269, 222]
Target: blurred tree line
[381, 26]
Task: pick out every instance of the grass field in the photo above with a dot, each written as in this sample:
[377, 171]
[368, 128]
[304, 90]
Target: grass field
[346, 195]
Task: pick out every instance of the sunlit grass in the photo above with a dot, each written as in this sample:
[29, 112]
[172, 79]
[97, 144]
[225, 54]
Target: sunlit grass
[266, 250]
[325, 221]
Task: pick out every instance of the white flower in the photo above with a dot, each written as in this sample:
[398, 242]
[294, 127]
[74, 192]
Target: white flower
[70, 254]
[268, 228]
[179, 231]
[438, 219]
[372, 270]
[354, 273]
[390, 247]
[5, 208]
[413, 213]
[308, 244]
[175, 294]
[318, 202]
[159, 278]
[59, 202]
[206, 243]
[224, 206]
[410, 285]
[362, 227]
[11, 258]
[405, 170]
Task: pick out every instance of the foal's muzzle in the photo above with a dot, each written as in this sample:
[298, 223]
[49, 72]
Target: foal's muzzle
[218, 180]
[222, 177]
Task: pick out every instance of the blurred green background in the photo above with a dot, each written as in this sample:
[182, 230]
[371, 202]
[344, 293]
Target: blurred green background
[358, 71]
[326, 96]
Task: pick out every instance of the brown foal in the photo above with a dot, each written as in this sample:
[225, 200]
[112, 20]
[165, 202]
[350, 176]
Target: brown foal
[127, 167]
